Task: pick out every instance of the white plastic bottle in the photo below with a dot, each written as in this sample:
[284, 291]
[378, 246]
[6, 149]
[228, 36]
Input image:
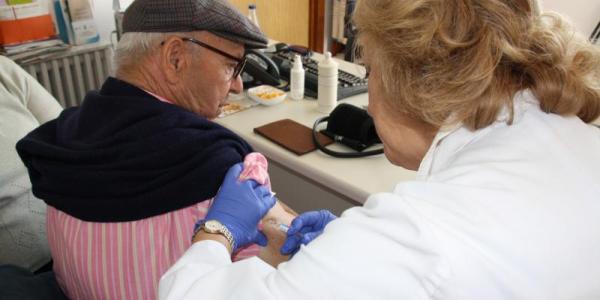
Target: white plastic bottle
[252, 14]
[328, 84]
[297, 79]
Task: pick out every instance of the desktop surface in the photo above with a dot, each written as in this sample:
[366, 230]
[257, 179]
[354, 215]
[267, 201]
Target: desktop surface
[354, 178]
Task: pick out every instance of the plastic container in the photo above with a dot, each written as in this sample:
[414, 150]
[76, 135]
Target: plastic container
[328, 84]
[297, 79]
[252, 14]
[266, 95]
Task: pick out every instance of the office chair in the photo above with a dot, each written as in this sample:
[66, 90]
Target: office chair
[19, 283]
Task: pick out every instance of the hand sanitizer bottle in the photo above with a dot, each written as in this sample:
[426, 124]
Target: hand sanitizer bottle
[297, 79]
[328, 83]
[252, 14]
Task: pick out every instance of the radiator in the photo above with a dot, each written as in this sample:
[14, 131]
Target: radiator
[69, 76]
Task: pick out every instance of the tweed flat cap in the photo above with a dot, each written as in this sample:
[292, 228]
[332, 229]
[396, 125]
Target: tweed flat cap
[216, 16]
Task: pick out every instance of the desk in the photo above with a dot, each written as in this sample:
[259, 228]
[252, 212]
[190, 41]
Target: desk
[315, 180]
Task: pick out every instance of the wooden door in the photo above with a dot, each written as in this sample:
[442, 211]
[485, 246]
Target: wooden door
[317, 25]
[282, 20]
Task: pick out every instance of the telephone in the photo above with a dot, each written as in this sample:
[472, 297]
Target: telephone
[274, 69]
[260, 69]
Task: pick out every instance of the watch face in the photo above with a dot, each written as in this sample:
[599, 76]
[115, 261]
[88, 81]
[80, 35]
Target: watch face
[212, 226]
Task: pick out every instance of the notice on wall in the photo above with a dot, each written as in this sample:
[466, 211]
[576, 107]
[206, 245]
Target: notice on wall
[25, 23]
[15, 2]
[82, 22]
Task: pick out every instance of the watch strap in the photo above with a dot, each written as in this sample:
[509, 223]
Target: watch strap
[223, 230]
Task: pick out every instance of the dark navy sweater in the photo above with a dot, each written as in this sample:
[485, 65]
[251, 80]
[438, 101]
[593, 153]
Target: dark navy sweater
[123, 155]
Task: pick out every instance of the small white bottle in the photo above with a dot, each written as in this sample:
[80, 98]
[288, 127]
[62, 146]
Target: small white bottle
[328, 84]
[252, 14]
[297, 79]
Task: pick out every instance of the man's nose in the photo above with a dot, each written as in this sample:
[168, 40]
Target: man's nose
[237, 86]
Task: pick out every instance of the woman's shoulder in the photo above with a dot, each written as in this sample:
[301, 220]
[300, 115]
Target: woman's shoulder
[529, 142]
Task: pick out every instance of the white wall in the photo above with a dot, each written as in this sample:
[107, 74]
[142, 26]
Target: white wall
[584, 14]
[104, 16]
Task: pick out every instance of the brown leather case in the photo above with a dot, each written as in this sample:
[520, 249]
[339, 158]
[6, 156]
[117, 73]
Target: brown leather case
[292, 135]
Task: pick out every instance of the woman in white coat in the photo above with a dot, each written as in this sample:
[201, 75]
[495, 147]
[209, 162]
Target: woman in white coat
[489, 101]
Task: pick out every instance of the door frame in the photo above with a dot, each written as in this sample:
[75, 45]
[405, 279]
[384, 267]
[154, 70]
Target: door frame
[316, 27]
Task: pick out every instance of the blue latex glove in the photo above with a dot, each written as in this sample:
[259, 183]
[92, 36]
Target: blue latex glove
[239, 206]
[305, 228]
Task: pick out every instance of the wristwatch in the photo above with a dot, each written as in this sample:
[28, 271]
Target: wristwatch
[214, 226]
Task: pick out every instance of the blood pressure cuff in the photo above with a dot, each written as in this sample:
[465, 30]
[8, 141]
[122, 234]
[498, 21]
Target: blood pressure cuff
[351, 126]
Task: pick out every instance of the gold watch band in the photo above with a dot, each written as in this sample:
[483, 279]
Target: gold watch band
[214, 226]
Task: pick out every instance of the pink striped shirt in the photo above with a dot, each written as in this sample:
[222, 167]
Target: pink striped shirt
[125, 260]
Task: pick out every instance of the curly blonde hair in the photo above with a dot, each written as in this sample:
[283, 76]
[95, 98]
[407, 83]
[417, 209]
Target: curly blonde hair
[447, 61]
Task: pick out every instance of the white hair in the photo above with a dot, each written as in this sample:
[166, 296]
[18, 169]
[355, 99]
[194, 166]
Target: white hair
[134, 46]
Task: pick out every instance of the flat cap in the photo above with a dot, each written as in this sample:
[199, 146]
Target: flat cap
[216, 16]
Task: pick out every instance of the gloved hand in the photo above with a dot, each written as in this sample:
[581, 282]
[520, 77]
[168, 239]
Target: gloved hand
[305, 228]
[239, 206]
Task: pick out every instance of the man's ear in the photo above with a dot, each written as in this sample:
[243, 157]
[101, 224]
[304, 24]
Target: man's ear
[173, 58]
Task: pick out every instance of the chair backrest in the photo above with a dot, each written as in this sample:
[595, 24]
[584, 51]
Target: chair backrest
[19, 283]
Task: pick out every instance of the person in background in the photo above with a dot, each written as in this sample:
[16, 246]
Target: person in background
[349, 31]
[24, 104]
[490, 102]
[128, 174]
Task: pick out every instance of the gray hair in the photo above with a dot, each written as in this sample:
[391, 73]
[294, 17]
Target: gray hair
[134, 46]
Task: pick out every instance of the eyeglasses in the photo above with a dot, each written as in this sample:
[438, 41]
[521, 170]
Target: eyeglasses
[241, 62]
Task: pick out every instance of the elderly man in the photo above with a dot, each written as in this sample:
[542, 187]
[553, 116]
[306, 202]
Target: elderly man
[126, 175]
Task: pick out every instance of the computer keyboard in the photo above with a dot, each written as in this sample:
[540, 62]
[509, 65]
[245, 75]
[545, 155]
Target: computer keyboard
[348, 84]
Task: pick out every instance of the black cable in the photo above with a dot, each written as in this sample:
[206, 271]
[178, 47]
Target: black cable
[335, 153]
[595, 34]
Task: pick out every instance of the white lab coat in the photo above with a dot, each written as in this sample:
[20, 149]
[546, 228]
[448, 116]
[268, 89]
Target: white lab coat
[505, 212]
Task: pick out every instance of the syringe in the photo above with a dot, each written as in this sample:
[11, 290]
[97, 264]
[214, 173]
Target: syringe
[283, 227]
